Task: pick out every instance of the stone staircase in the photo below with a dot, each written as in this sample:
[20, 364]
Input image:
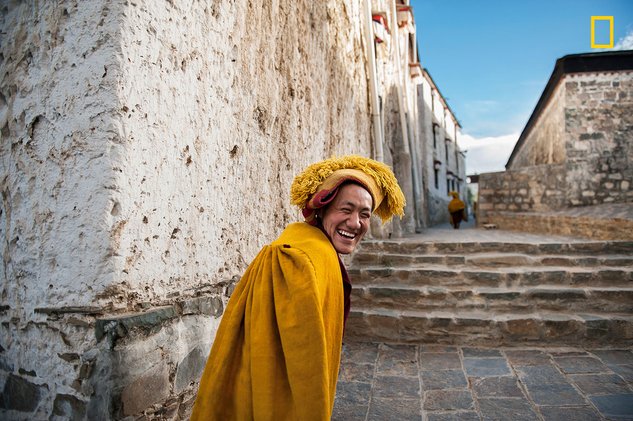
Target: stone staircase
[493, 293]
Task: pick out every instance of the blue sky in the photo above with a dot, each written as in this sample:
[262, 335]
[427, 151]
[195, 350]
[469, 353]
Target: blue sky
[491, 59]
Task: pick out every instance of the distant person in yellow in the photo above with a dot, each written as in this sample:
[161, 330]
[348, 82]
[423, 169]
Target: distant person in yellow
[277, 351]
[457, 209]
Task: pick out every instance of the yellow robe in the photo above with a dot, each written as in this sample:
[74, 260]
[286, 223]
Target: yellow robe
[456, 205]
[277, 351]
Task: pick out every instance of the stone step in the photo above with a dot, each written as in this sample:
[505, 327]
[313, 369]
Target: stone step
[489, 329]
[497, 278]
[517, 300]
[496, 259]
[405, 246]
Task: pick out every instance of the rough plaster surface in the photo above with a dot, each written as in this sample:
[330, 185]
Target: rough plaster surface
[59, 142]
[230, 111]
[139, 159]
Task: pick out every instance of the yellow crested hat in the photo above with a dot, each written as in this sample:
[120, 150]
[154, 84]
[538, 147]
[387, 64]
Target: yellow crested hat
[318, 184]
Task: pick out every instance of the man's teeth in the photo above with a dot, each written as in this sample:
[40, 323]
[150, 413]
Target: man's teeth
[346, 234]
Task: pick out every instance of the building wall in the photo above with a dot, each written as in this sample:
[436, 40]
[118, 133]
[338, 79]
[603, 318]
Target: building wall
[599, 138]
[396, 93]
[539, 188]
[545, 143]
[142, 167]
[596, 165]
[440, 144]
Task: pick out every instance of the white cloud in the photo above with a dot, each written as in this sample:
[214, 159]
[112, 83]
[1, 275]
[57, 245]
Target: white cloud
[487, 154]
[625, 43]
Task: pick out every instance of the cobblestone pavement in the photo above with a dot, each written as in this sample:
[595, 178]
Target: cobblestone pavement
[380, 381]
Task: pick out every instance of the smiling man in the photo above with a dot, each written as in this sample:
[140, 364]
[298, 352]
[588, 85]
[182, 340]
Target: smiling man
[346, 220]
[277, 351]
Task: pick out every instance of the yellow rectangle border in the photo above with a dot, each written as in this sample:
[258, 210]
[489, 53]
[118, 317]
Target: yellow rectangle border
[593, 31]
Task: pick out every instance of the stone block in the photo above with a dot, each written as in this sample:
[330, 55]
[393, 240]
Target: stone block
[555, 394]
[452, 416]
[506, 409]
[564, 295]
[394, 296]
[440, 361]
[540, 374]
[499, 387]
[210, 306]
[396, 387]
[615, 356]
[385, 327]
[523, 329]
[616, 406]
[352, 372]
[600, 384]
[568, 413]
[481, 353]
[576, 365]
[21, 395]
[344, 411]
[393, 409]
[189, 369]
[355, 393]
[149, 388]
[486, 367]
[527, 357]
[360, 352]
[443, 379]
[69, 407]
[118, 326]
[447, 400]
[393, 367]
[564, 330]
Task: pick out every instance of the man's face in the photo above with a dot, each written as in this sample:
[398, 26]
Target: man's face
[346, 219]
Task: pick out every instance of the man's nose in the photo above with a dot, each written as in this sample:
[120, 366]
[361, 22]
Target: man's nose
[354, 220]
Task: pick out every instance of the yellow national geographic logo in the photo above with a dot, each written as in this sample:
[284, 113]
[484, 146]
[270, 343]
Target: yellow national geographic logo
[593, 31]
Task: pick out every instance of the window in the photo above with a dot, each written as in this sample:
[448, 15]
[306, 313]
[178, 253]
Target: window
[435, 126]
[446, 142]
[436, 170]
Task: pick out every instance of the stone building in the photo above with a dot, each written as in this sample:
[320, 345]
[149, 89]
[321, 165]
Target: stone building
[444, 162]
[419, 128]
[574, 157]
[146, 156]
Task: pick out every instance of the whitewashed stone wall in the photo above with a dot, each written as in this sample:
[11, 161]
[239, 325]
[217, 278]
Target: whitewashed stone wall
[147, 151]
[437, 117]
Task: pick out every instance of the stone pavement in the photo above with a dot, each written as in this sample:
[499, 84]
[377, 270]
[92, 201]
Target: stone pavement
[397, 382]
